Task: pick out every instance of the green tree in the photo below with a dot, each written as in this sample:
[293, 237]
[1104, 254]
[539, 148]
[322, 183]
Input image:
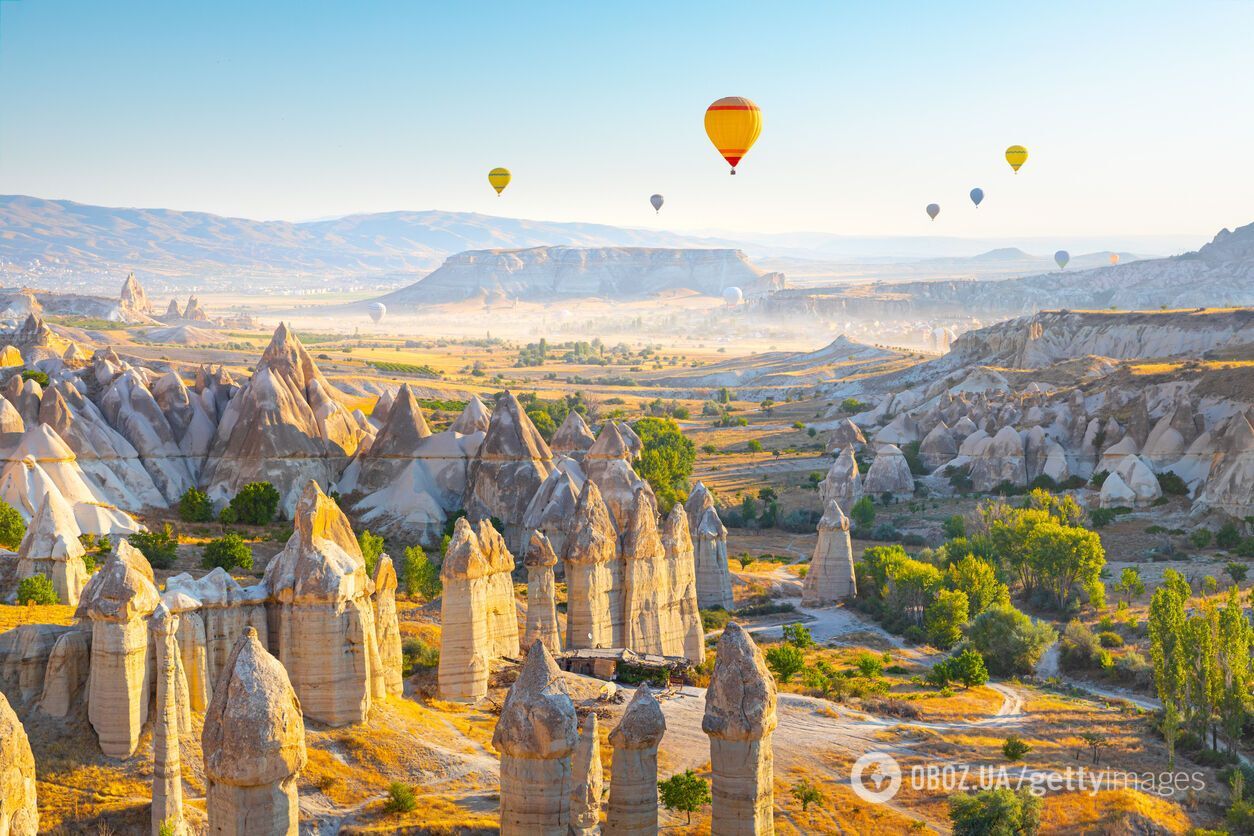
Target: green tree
[227, 552]
[798, 635]
[1166, 632]
[37, 589]
[1010, 642]
[1228, 536]
[666, 460]
[968, 668]
[684, 792]
[1066, 557]
[954, 527]
[863, 512]
[754, 446]
[978, 579]
[12, 526]
[1130, 584]
[418, 575]
[1236, 671]
[255, 504]
[194, 506]
[401, 798]
[159, 547]
[806, 794]
[944, 618]
[1014, 748]
[371, 549]
[999, 812]
[784, 660]
[543, 422]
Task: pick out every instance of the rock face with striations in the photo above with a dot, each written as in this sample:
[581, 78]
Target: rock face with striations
[464, 644]
[831, 575]
[709, 537]
[511, 463]
[553, 505]
[536, 735]
[19, 815]
[593, 575]
[541, 595]
[889, 473]
[118, 599]
[843, 482]
[388, 627]
[254, 745]
[685, 617]
[286, 426]
[167, 777]
[633, 772]
[740, 720]
[608, 463]
[587, 781]
[647, 587]
[51, 548]
[321, 616]
[502, 609]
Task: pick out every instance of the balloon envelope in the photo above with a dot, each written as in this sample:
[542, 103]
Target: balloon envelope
[933, 209]
[376, 310]
[1114, 258]
[733, 124]
[656, 200]
[499, 178]
[1016, 155]
[1061, 258]
[733, 296]
[977, 196]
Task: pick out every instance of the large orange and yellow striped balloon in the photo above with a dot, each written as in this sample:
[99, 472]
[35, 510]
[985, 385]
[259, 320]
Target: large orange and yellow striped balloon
[733, 124]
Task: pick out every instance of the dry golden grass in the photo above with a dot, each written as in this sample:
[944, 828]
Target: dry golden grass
[1103, 812]
[13, 615]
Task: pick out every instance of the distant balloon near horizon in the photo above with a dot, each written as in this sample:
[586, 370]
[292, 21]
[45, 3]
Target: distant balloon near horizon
[377, 311]
[977, 196]
[499, 178]
[1061, 258]
[733, 296]
[733, 124]
[1114, 258]
[657, 202]
[933, 209]
[1016, 155]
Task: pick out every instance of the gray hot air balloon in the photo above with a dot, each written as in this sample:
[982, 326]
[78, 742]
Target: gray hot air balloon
[1062, 257]
[656, 200]
[376, 310]
[977, 196]
[933, 209]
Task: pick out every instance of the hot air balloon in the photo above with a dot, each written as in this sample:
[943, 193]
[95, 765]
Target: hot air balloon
[1016, 155]
[933, 209]
[733, 296]
[977, 196]
[656, 200]
[1061, 258]
[733, 124]
[499, 178]
[376, 310]
[1114, 258]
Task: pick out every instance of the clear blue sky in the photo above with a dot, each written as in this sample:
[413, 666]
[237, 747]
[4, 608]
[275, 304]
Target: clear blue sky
[1137, 114]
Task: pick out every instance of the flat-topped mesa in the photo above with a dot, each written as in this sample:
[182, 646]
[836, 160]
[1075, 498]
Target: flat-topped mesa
[118, 599]
[633, 773]
[593, 588]
[685, 611]
[831, 575]
[709, 538]
[321, 616]
[587, 781]
[573, 437]
[647, 585]
[740, 719]
[474, 418]
[51, 548]
[536, 735]
[286, 426]
[541, 595]
[464, 644]
[608, 463]
[388, 628]
[254, 745]
[502, 609]
[167, 778]
[843, 482]
[889, 473]
[19, 813]
[511, 464]
[551, 509]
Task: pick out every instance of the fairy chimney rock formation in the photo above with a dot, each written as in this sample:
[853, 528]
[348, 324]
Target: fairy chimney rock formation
[587, 781]
[686, 612]
[831, 576]
[541, 595]
[608, 463]
[502, 608]
[646, 586]
[573, 437]
[474, 418]
[890, 473]
[388, 627]
[51, 547]
[167, 777]
[321, 615]
[536, 735]
[511, 464]
[709, 538]
[633, 772]
[19, 815]
[118, 599]
[133, 298]
[843, 482]
[593, 587]
[740, 719]
[464, 643]
[254, 745]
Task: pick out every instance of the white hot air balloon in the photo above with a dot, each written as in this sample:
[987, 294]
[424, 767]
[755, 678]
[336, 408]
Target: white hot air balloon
[376, 310]
[733, 296]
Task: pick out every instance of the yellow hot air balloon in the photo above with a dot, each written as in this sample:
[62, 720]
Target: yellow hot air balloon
[1114, 258]
[733, 124]
[1016, 155]
[499, 178]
